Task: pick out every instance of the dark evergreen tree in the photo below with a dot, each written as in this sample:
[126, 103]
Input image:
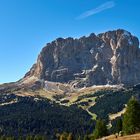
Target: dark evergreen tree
[119, 125]
[131, 119]
[100, 129]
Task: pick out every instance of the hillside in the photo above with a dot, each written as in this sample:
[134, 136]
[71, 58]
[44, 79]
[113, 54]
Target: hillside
[51, 113]
[129, 137]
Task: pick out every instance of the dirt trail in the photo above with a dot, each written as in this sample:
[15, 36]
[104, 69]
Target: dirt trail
[129, 137]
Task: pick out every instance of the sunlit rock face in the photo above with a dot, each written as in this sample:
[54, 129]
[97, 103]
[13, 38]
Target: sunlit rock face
[108, 58]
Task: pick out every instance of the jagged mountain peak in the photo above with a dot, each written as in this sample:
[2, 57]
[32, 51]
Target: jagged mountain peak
[112, 58]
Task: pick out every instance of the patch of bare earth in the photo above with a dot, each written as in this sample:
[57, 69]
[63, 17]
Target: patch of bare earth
[118, 114]
[8, 103]
[129, 137]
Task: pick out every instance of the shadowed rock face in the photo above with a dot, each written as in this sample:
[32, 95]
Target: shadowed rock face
[108, 58]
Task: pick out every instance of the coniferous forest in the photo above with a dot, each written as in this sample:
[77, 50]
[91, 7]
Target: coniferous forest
[45, 119]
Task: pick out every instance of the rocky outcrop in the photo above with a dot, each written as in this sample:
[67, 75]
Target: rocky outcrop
[108, 58]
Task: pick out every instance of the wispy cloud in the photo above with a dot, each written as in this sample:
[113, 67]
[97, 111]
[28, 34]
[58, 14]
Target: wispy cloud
[103, 7]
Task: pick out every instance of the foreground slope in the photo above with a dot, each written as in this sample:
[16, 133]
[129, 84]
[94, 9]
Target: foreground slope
[28, 111]
[129, 137]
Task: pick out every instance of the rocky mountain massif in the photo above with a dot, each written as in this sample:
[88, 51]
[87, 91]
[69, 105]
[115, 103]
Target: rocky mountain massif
[107, 58]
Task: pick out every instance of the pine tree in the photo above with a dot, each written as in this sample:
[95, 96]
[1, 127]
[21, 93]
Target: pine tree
[100, 129]
[119, 125]
[131, 119]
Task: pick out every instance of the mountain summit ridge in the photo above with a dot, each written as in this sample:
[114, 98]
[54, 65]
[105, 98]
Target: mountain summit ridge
[111, 58]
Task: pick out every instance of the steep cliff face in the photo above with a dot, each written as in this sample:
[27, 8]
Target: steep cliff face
[108, 58]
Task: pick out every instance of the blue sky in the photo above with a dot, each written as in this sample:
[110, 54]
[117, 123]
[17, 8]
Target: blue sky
[27, 25]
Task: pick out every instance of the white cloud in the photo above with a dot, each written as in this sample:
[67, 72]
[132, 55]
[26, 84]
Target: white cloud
[103, 7]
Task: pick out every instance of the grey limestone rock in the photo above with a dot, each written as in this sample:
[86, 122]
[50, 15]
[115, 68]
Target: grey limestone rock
[108, 58]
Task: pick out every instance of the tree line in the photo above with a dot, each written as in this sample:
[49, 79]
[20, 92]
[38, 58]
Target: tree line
[128, 124]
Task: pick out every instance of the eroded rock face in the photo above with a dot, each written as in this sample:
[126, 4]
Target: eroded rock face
[108, 58]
